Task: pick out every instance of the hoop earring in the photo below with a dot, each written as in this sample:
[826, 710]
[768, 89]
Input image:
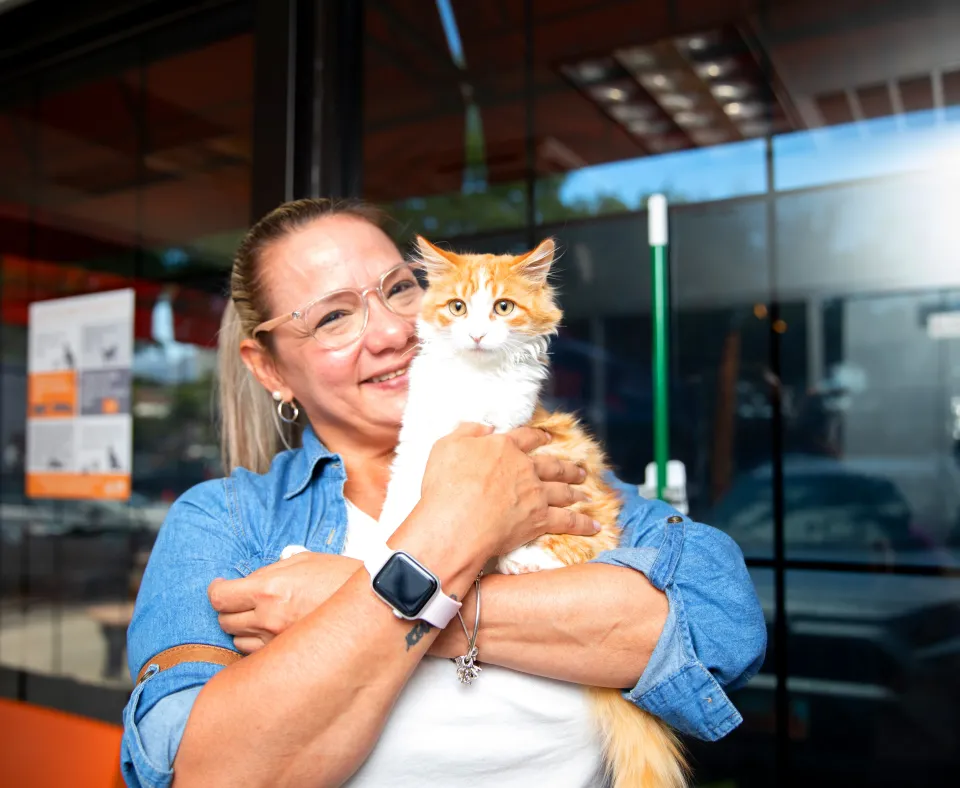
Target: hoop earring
[295, 411]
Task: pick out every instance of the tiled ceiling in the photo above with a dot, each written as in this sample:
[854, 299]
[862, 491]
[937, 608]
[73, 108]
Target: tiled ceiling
[159, 156]
[828, 63]
[800, 66]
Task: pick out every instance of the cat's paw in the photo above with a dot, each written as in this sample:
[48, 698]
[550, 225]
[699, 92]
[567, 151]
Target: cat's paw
[528, 558]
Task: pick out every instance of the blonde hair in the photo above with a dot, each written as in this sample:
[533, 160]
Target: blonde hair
[251, 433]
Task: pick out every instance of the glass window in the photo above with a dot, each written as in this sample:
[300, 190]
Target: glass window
[865, 240]
[443, 149]
[873, 667]
[128, 171]
[810, 155]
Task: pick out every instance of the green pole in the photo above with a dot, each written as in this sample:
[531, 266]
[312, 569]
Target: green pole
[657, 236]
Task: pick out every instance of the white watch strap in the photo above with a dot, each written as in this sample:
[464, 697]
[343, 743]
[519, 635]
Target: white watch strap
[438, 612]
[376, 557]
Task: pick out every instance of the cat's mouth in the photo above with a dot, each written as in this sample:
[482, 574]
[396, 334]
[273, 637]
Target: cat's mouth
[387, 376]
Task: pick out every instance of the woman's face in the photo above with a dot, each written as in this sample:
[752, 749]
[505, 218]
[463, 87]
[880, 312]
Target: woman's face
[335, 387]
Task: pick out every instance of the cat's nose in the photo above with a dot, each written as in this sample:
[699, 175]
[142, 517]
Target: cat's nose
[477, 339]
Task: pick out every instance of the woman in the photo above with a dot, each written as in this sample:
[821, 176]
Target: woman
[337, 688]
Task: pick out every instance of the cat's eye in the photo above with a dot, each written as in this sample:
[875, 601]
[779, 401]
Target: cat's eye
[503, 307]
[457, 308]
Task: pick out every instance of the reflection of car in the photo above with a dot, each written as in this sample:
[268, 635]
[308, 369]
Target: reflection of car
[77, 550]
[833, 510]
[22, 516]
[872, 662]
[872, 657]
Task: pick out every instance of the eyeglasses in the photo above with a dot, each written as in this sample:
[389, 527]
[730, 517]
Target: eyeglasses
[339, 318]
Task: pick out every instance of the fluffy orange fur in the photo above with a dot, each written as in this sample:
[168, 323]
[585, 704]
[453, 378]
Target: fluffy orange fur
[640, 750]
[536, 313]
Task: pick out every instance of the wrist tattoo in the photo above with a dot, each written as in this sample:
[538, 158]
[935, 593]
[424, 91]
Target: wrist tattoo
[416, 634]
[420, 629]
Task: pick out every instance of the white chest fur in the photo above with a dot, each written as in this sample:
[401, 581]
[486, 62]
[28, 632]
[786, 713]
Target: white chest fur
[447, 389]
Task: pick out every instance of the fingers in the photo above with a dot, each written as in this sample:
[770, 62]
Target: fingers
[567, 521]
[560, 494]
[233, 596]
[529, 438]
[553, 469]
[245, 624]
[247, 645]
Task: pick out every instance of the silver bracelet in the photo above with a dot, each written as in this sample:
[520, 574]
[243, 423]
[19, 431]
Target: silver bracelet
[467, 667]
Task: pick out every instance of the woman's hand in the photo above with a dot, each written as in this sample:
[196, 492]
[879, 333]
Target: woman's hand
[559, 477]
[495, 494]
[257, 608]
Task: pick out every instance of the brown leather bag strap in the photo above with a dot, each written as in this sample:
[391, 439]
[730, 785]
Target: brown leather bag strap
[190, 652]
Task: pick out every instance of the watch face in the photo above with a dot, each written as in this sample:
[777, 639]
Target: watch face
[405, 585]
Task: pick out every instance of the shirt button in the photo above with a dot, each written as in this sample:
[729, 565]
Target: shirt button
[674, 519]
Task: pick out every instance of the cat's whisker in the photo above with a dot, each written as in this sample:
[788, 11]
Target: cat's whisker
[415, 346]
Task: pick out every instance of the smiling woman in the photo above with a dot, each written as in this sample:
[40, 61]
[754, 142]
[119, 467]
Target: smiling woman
[339, 686]
[292, 266]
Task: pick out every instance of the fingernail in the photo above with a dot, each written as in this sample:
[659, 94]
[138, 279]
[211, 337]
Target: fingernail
[596, 526]
[583, 474]
[587, 498]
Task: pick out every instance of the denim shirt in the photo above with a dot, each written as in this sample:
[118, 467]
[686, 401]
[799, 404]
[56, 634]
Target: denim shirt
[713, 641]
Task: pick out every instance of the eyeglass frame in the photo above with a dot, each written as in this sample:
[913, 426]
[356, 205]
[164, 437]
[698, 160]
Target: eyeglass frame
[297, 314]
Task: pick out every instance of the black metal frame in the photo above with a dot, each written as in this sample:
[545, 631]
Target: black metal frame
[856, 567]
[274, 101]
[308, 119]
[339, 136]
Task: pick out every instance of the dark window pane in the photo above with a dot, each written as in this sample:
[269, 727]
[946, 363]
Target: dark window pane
[128, 170]
[874, 667]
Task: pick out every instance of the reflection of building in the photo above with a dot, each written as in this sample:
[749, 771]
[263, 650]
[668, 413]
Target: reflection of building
[814, 277]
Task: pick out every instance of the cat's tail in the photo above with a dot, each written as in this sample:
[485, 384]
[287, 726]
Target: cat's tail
[640, 750]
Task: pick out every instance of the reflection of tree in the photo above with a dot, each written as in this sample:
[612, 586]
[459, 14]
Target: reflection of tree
[499, 206]
[174, 436]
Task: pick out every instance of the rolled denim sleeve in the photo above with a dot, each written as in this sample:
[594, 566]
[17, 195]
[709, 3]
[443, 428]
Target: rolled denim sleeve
[714, 639]
[201, 540]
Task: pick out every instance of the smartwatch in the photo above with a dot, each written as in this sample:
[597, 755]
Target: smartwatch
[408, 587]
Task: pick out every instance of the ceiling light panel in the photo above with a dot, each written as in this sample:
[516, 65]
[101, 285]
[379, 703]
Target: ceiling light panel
[704, 88]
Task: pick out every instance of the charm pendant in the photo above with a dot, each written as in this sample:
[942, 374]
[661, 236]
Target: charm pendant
[467, 669]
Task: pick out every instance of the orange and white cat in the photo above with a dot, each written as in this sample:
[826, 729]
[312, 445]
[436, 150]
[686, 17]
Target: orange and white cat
[484, 330]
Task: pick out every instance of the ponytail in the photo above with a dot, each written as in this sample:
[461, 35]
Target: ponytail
[251, 432]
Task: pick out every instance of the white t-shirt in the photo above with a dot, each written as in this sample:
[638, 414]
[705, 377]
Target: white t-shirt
[506, 730]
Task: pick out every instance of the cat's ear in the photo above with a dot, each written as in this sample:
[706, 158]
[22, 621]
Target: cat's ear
[435, 261]
[535, 265]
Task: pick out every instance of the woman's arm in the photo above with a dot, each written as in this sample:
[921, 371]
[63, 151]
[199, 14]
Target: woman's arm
[591, 624]
[308, 709]
[671, 616]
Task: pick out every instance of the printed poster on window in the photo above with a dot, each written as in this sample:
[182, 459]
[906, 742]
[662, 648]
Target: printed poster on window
[79, 422]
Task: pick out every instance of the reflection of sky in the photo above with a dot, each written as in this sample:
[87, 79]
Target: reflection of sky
[451, 32]
[166, 360]
[883, 146]
[696, 175]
